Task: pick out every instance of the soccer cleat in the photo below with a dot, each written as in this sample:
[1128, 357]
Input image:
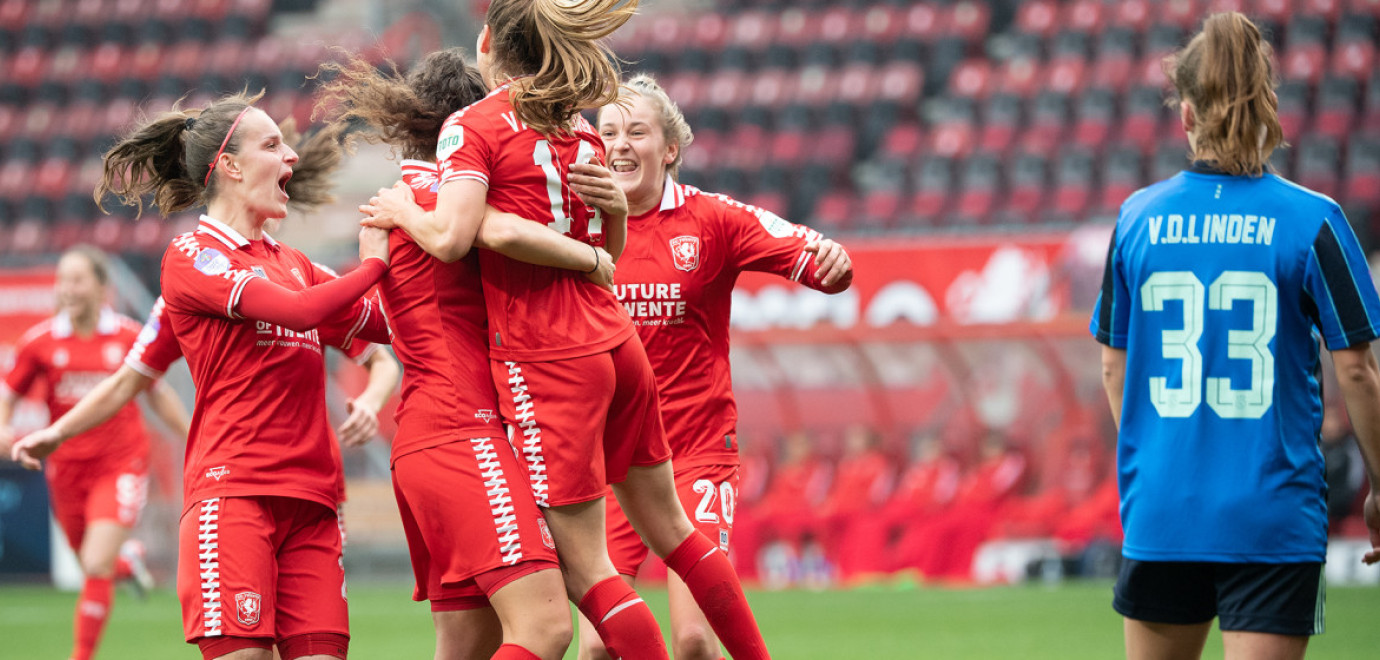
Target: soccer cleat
[140, 579]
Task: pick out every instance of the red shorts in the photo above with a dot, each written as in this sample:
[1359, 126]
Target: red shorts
[559, 411]
[708, 492]
[470, 520]
[86, 491]
[260, 567]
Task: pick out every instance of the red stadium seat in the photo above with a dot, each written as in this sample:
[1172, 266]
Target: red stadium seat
[797, 27]
[879, 209]
[1184, 13]
[971, 78]
[933, 185]
[1001, 121]
[1122, 176]
[752, 29]
[1026, 182]
[1329, 9]
[29, 236]
[979, 187]
[16, 178]
[815, 86]
[833, 211]
[28, 66]
[1362, 183]
[1316, 167]
[923, 22]
[900, 82]
[839, 24]
[727, 89]
[1306, 62]
[51, 179]
[1039, 17]
[710, 31]
[1293, 108]
[1337, 102]
[67, 65]
[882, 25]
[1066, 75]
[15, 12]
[1085, 16]
[1133, 14]
[1095, 116]
[857, 84]
[1073, 180]
[1049, 116]
[1370, 7]
[1021, 77]
[1355, 59]
[969, 21]
[109, 62]
[902, 141]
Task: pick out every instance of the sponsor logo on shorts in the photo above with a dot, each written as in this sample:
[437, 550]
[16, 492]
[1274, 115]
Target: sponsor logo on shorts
[247, 608]
[217, 472]
[546, 539]
[486, 415]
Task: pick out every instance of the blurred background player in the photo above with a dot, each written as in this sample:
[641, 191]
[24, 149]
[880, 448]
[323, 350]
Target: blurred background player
[99, 481]
[260, 540]
[548, 330]
[495, 587]
[684, 252]
[1216, 280]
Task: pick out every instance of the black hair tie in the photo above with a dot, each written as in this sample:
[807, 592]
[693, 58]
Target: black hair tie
[190, 123]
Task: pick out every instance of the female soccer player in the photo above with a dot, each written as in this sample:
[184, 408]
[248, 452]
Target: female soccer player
[582, 393]
[684, 253]
[480, 549]
[99, 482]
[1216, 280]
[259, 541]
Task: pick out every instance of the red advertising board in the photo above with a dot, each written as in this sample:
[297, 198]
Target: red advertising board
[26, 298]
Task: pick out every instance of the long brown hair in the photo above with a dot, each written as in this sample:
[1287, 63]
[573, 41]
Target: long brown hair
[170, 157]
[1226, 73]
[405, 111]
[554, 49]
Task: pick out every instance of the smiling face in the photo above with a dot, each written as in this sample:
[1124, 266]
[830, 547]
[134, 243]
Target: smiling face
[637, 151]
[259, 172]
[79, 290]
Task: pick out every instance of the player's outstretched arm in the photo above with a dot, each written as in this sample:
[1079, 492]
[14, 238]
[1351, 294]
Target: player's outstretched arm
[1359, 379]
[99, 405]
[833, 266]
[363, 421]
[446, 233]
[513, 237]
[302, 310]
[165, 404]
[1114, 379]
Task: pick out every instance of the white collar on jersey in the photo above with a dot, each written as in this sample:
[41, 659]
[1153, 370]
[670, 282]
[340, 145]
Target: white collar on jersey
[106, 324]
[223, 233]
[672, 194]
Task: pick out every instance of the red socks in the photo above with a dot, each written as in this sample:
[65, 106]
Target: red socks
[123, 569]
[93, 606]
[710, 577]
[514, 652]
[623, 621]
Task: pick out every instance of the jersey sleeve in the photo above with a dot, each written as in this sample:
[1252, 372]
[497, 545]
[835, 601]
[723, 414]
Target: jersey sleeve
[464, 150]
[363, 317]
[1341, 296]
[763, 241]
[201, 280]
[27, 368]
[1112, 312]
[424, 180]
[156, 347]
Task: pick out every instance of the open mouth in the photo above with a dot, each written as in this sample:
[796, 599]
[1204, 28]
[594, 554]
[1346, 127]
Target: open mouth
[282, 182]
[622, 165]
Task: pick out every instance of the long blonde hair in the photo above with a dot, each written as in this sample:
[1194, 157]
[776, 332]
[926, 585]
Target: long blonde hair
[554, 51]
[1226, 73]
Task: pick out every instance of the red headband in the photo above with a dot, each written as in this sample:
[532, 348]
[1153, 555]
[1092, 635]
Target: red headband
[224, 142]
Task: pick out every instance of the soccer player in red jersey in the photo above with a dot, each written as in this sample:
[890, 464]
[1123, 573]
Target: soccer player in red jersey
[481, 552]
[684, 252]
[577, 385]
[259, 540]
[99, 482]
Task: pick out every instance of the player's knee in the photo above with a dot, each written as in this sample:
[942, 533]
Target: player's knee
[97, 566]
[592, 648]
[546, 632]
[696, 643]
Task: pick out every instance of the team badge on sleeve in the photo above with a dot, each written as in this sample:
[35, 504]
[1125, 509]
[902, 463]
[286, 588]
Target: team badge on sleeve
[247, 608]
[210, 261]
[685, 250]
[452, 138]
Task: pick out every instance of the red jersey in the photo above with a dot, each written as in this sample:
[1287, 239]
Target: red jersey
[71, 366]
[676, 281]
[535, 313]
[156, 349]
[259, 423]
[436, 311]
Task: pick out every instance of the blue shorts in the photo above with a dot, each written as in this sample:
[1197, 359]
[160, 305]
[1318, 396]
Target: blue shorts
[1281, 599]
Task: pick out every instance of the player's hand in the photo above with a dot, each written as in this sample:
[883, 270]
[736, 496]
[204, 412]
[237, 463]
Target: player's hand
[594, 184]
[1371, 510]
[390, 207]
[373, 242]
[36, 446]
[603, 275]
[359, 427]
[831, 260]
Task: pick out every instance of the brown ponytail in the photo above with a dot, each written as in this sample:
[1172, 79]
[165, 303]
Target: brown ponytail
[1226, 73]
[406, 112]
[557, 45]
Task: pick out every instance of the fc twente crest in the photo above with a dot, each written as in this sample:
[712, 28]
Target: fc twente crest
[247, 608]
[685, 250]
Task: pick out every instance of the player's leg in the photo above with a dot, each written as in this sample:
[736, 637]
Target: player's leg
[1168, 608]
[530, 602]
[708, 494]
[647, 492]
[313, 621]
[1268, 611]
[627, 553]
[557, 412]
[466, 633]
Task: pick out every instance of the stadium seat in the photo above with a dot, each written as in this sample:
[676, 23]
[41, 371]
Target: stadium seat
[1038, 17]
[933, 184]
[1338, 100]
[1121, 176]
[1293, 107]
[1049, 115]
[1001, 121]
[1095, 116]
[1362, 183]
[1087, 16]
[1132, 14]
[1027, 179]
[971, 78]
[979, 188]
[1316, 165]
[953, 129]
[1073, 180]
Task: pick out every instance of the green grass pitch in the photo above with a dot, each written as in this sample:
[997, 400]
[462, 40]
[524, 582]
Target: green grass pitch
[1068, 622]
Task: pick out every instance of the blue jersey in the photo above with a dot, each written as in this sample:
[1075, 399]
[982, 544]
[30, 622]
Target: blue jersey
[1218, 288]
